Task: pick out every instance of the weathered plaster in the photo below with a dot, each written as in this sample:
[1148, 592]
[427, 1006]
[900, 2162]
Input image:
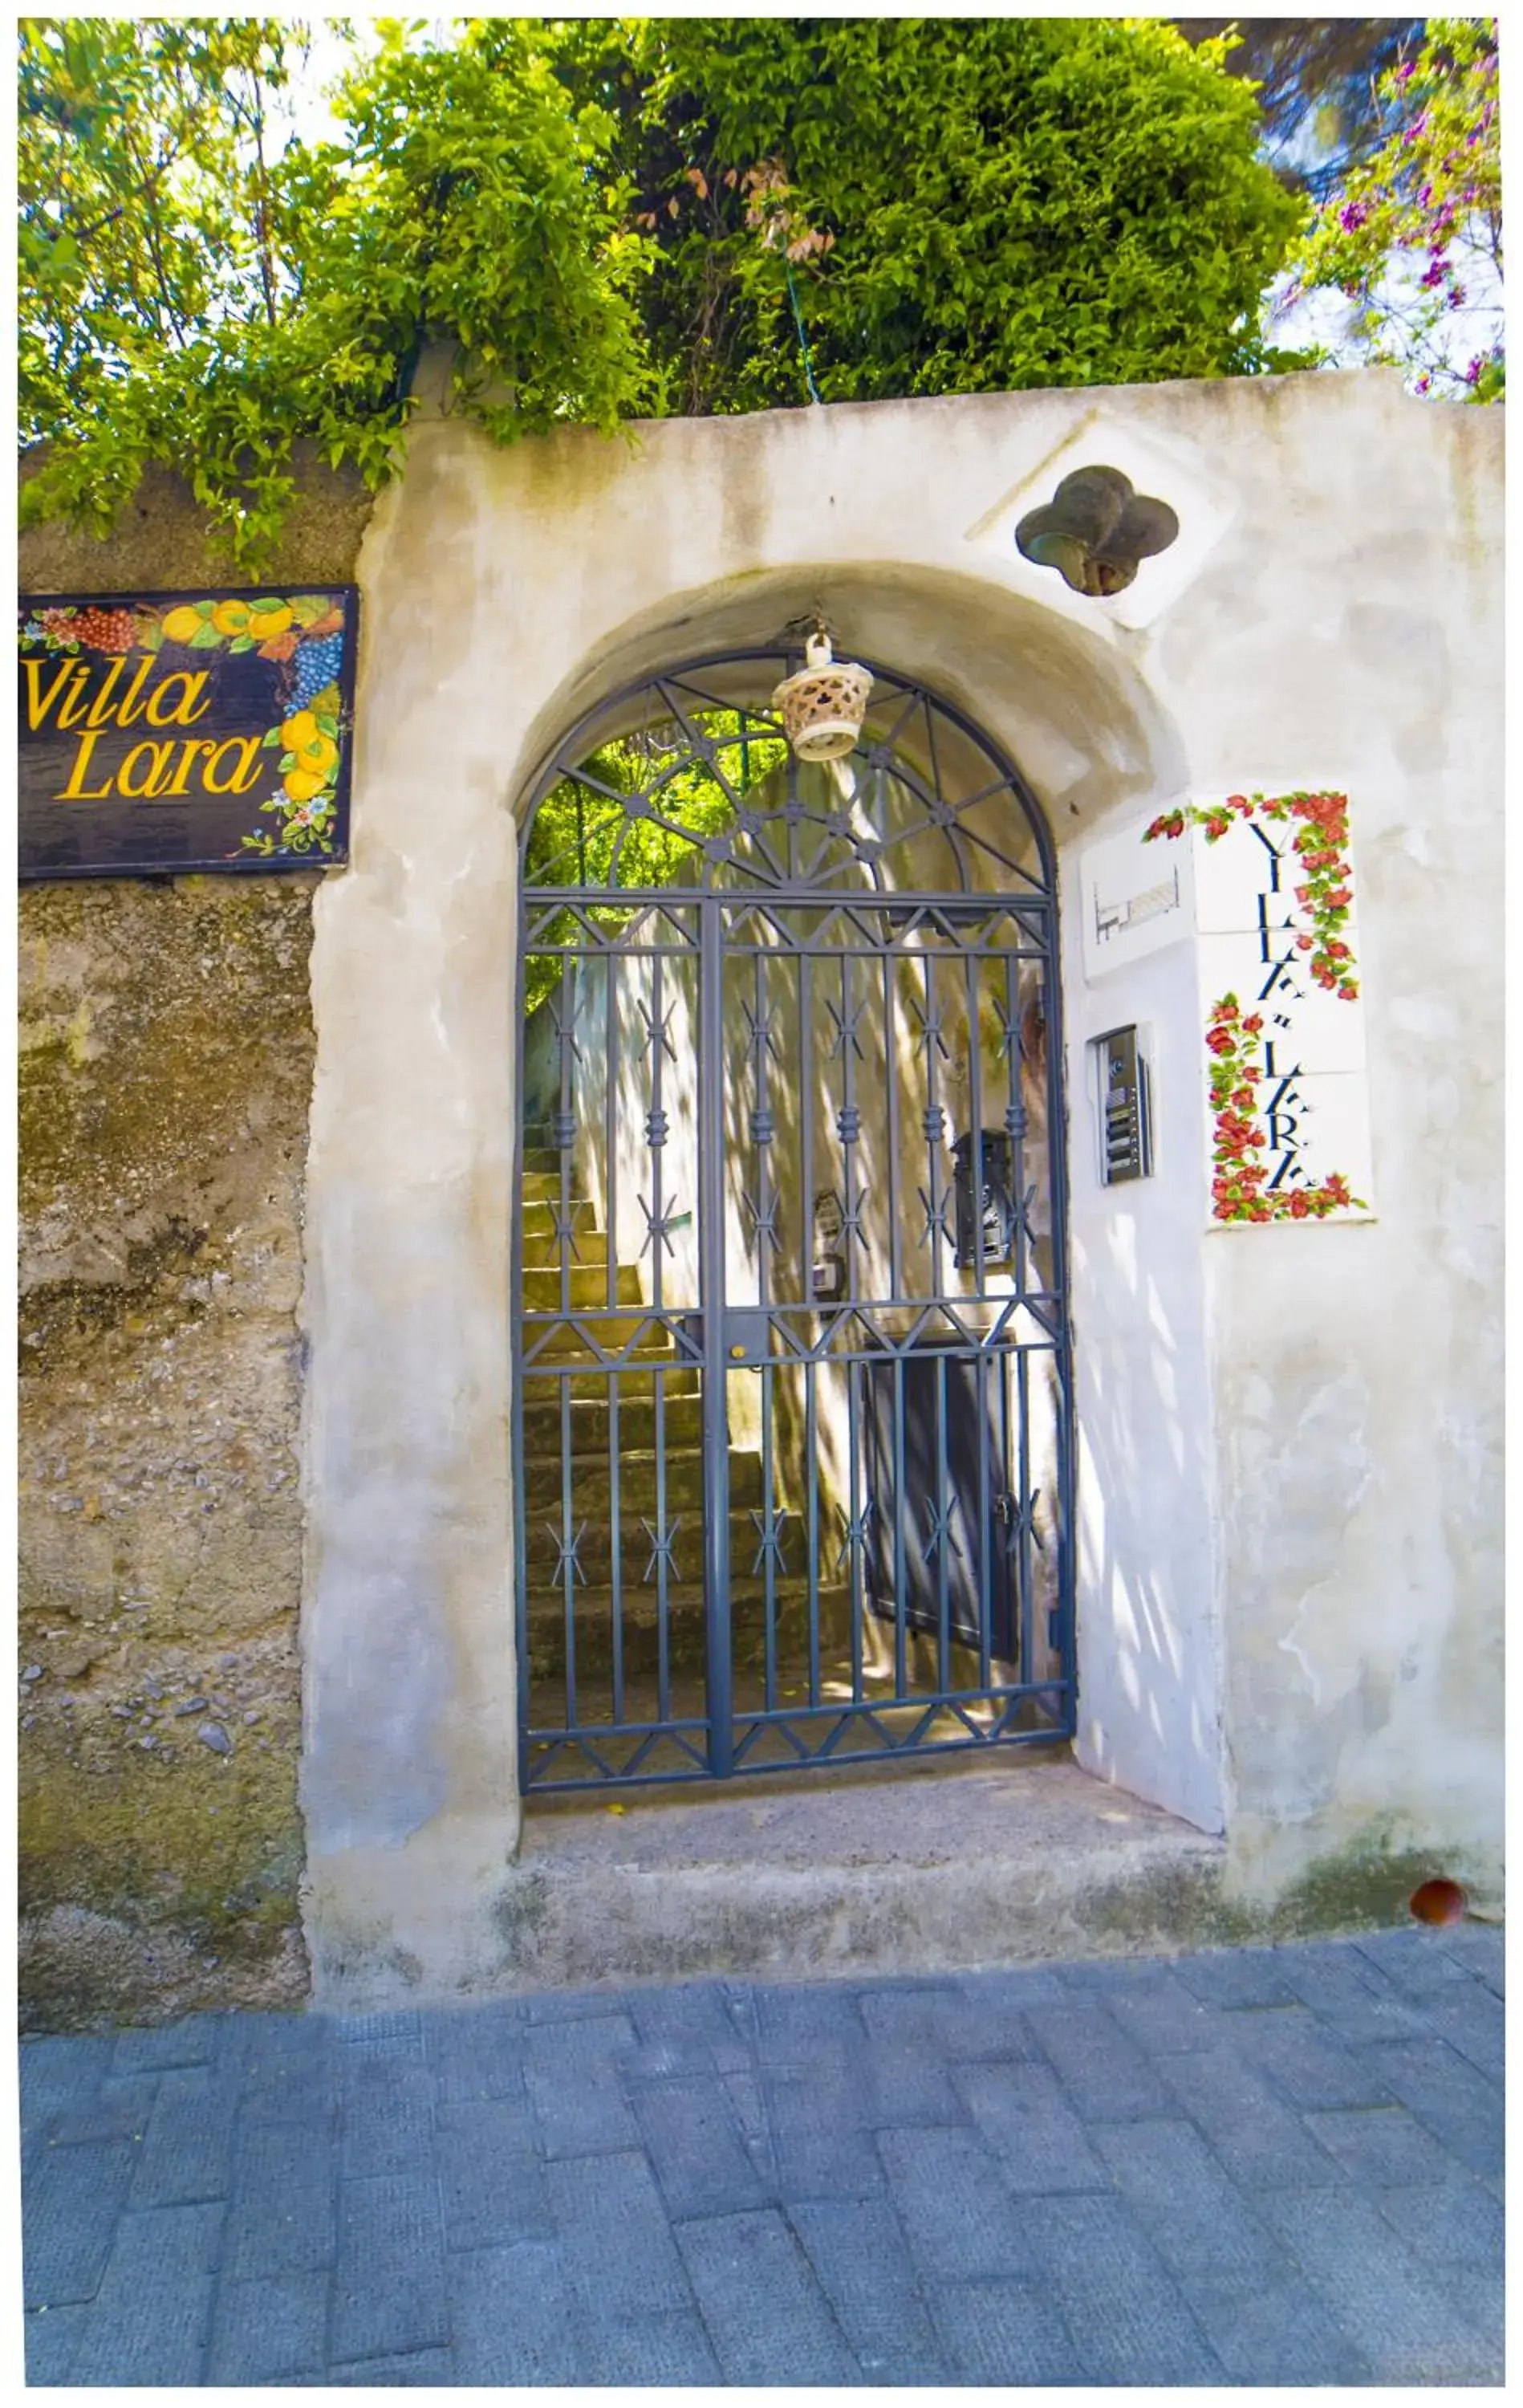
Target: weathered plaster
[1349, 1506]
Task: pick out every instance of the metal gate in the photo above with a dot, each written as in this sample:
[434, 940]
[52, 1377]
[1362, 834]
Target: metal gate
[792, 1396]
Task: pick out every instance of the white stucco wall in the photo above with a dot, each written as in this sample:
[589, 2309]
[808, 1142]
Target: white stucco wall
[1289, 1610]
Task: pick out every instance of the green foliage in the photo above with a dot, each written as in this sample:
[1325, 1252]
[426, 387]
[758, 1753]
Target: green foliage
[1412, 238]
[602, 219]
[964, 206]
[185, 300]
[583, 834]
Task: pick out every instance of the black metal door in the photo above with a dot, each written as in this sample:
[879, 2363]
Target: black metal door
[791, 1405]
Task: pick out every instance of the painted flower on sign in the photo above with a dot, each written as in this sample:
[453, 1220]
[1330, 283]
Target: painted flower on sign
[1240, 1185]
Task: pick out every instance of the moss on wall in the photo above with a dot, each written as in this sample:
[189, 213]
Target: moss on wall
[165, 1074]
[165, 1079]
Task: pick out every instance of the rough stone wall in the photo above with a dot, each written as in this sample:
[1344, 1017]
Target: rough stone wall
[166, 1078]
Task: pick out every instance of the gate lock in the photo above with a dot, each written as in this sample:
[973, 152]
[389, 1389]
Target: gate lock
[747, 1336]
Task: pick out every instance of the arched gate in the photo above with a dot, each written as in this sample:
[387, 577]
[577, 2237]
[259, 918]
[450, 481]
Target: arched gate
[791, 1392]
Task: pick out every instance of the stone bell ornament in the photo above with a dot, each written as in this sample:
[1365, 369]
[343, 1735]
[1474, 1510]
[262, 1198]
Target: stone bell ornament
[822, 706]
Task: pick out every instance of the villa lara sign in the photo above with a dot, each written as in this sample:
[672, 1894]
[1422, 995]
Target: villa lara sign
[172, 732]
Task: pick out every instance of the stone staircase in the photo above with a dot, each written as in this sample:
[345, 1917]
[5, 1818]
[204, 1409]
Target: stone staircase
[567, 1455]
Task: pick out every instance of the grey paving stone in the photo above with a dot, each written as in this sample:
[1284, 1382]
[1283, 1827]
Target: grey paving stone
[113, 2110]
[387, 2287]
[1416, 1961]
[672, 2348]
[1022, 2112]
[1237, 1977]
[795, 2020]
[1004, 2332]
[861, 2261]
[1481, 1949]
[58, 2074]
[73, 2203]
[202, 2039]
[696, 2149]
[386, 2115]
[1409, 2326]
[619, 2256]
[1348, 1992]
[187, 2150]
[949, 2020]
[513, 2316]
[1383, 2147]
[146, 2338]
[1130, 2320]
[1161, 2017]
[1475, 2028]
[580, 2114]
[1452, 2223]
[1103, 2074]
[954, 2204]
[692, 2017]
[1197, 2219]
[767, 2318]
[1308, 2065]
[269, 2330]
[50, 2337]
[475, 2053]
[574, 2006]
[1272, 2334]
[491, 2181]
[1009, 1990]
[749, 2106]
[398, 2030]
[1110, 1977]
[152, 2320]
[283, 2215]
[1261, 2141]
[900, 2085]
[418, 2370]
[1458, 2105]
[821, 2146]
[586, 2044]
[299, 2088]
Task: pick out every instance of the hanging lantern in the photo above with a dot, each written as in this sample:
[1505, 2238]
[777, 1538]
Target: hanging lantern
[823, 706]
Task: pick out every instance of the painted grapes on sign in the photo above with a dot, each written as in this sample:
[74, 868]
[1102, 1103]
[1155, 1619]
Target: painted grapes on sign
[165, 732]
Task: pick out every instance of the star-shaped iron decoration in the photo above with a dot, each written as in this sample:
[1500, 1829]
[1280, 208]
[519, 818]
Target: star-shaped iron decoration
[660, 1551]
[769, 1530]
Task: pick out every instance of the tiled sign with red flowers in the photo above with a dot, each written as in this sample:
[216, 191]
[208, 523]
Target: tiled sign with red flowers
[1277, 949]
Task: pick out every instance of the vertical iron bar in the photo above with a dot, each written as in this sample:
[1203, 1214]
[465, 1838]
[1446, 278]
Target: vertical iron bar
[945, 1511]
[1023, 1554]
[891, 1059]
[711, 1281]
[975, 1111]
[616, 1570]
[811, 1453]
[520, 1514]
[901, 1506]
[985, 1540]
[569, 1566]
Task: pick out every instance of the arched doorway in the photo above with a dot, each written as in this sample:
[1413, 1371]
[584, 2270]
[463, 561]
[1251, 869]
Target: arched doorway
[792, 1399]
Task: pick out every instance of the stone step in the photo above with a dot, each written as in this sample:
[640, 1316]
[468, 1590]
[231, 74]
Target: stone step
[542, 1249]
[541, 1186]
[591, 1482]
[612, 1331]
[687, 1641]
[682, 1422]
[544, 1379]
[589, 1286]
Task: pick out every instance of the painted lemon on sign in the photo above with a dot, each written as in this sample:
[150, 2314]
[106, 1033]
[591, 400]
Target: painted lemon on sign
[180, 624]
[267, 620]
[314, 751]
[303, 785]
[231, 618]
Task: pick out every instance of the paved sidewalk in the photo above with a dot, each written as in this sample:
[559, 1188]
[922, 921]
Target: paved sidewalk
[1265, 2165]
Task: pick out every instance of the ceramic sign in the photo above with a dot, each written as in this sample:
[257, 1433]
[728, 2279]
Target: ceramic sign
[1284, 1034]
[173, 732]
